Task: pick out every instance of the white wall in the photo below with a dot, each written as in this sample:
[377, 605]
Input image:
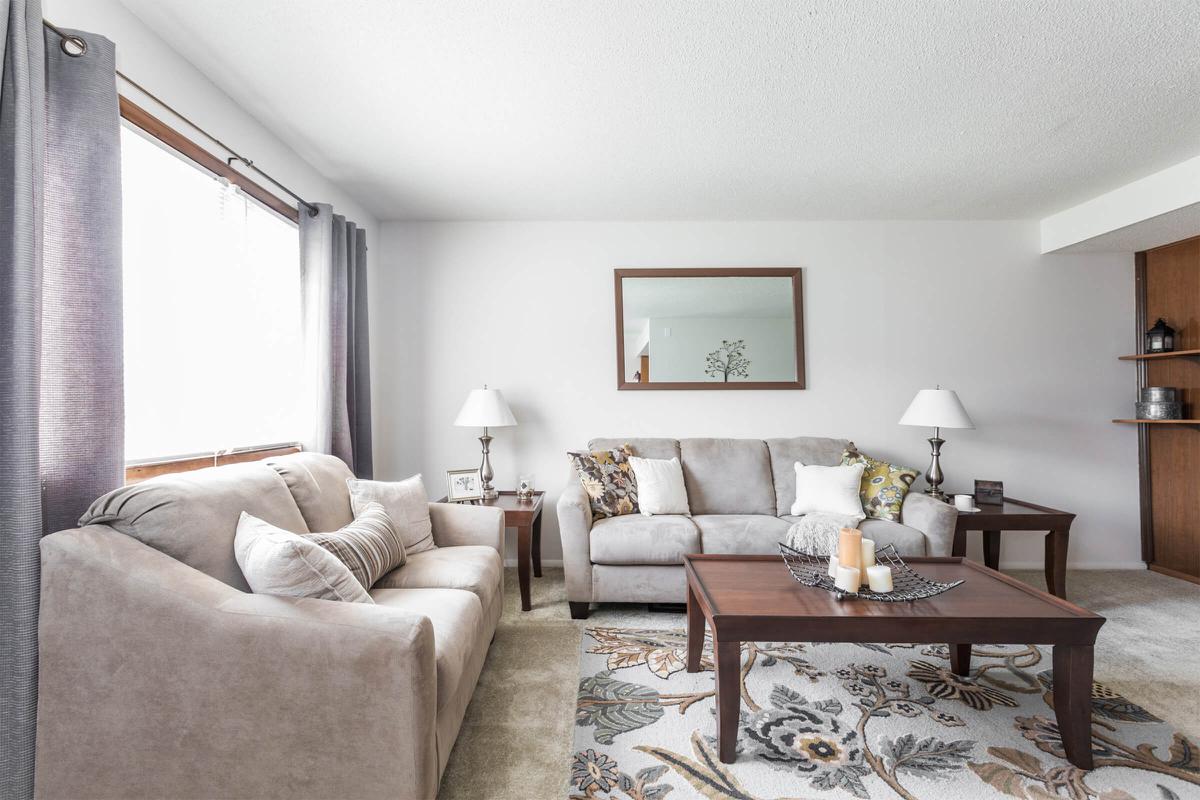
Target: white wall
[682, 355]
[1029, 341]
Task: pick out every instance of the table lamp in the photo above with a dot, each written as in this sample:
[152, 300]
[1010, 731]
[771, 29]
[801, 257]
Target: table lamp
[485, 408]
[936, 408]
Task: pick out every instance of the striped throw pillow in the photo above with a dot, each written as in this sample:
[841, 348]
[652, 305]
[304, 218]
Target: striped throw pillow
[369, 546]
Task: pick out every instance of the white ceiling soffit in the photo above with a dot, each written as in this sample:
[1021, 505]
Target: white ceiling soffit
[1155, 210]
[671, 109]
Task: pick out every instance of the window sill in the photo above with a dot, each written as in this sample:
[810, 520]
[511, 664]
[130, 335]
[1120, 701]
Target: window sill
[138, 472]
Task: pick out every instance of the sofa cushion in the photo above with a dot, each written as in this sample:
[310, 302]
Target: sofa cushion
[318, 485]
[405, 502]
[741, 533]
[473, 568]
[643, 448]
[728, 476]
[193, 516]
[634, 539]
[369, 546]
[908, 541]
[458, 629]
[805, 449]
[275, 561]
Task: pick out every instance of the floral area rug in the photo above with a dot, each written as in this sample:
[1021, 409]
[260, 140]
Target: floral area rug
[854, 721]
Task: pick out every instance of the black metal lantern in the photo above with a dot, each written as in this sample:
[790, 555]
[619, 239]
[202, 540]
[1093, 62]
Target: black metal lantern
[1160, 338]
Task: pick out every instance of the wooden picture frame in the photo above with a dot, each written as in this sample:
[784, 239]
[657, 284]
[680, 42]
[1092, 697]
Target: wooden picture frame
[794, 273]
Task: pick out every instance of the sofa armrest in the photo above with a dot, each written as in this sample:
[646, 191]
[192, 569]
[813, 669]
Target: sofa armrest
[458, 524]
[157, 680]
[933, 518]
[575, 528]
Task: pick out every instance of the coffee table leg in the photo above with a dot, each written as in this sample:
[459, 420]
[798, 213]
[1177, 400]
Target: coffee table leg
[960, 659]
[729, 697]
[1056, 562]
[991, 549]
[1073, 701]
[523, 536]
[695, 631]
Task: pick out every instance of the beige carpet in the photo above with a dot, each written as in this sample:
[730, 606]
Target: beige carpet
[516, 740]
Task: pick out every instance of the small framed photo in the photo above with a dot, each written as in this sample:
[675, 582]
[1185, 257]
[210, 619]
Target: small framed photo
[989, 493]
[463, 485]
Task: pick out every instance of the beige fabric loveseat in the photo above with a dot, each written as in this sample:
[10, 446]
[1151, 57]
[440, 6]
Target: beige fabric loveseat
[740, 492]
[161, 675]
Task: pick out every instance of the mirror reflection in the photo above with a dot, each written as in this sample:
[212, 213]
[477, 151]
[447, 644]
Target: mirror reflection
[720, 330]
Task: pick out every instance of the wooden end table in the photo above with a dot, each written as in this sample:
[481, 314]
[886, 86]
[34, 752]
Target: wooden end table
[1018, 515]
[526, 517]
[755, 598]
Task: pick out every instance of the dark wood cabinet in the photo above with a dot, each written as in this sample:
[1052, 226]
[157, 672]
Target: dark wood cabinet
[1168, 286]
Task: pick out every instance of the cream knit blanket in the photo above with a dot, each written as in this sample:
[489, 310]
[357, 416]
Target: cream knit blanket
[817, 534]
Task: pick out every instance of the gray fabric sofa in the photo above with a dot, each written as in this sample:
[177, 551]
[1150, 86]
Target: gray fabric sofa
[161, 675]
[740, 492]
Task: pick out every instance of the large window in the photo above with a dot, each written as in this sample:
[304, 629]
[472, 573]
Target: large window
[212, 311]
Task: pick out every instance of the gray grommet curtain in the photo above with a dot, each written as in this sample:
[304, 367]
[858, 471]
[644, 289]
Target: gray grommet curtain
[61, 390]
[333, 290]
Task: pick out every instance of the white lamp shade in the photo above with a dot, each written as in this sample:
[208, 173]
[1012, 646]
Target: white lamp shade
[485, 408]
[936, 408]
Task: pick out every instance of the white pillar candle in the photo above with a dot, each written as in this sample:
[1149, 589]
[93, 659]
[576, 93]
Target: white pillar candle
[879, 578]
[847, 579]
[868, 553]
[833, 566]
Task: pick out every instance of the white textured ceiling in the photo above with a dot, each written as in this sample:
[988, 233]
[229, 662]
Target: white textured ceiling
[679, 109]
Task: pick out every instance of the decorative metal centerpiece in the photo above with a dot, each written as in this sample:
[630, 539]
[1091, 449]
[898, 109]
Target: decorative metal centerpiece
[813, 570]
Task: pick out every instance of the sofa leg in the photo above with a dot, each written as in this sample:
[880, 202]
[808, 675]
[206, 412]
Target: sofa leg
[578, 610]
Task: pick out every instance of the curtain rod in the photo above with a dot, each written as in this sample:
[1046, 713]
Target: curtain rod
[72, 40]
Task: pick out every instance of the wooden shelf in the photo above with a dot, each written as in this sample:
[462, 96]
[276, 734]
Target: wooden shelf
[1172, 354]
[1157, 421]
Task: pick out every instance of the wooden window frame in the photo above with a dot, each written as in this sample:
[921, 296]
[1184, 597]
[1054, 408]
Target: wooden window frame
[131, 112]
[140, 471]
[152, 125]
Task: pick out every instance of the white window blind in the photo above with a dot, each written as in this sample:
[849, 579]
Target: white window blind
[212, 311]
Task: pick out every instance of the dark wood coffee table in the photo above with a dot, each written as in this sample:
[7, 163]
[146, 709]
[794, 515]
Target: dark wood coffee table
[756, 599]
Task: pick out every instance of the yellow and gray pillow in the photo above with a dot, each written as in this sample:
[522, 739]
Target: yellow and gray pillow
[883, 485]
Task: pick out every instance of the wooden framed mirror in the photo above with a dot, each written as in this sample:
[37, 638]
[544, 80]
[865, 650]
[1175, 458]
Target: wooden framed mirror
[709, 328]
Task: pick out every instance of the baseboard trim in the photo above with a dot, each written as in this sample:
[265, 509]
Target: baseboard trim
[546, 562]
[1183, 576]
[1085, 565]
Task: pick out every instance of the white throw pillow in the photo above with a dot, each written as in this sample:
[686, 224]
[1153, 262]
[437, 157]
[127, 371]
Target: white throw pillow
[276, 561]
[660, 486]
[404, 501]
[828, 490]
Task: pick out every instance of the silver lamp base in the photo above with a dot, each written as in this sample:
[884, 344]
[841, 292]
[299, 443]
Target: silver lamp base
[485, 469]
[934, 474]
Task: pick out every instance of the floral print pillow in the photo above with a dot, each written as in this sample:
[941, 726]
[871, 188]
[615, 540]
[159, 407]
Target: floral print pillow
[883, 485]
[608, 479]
